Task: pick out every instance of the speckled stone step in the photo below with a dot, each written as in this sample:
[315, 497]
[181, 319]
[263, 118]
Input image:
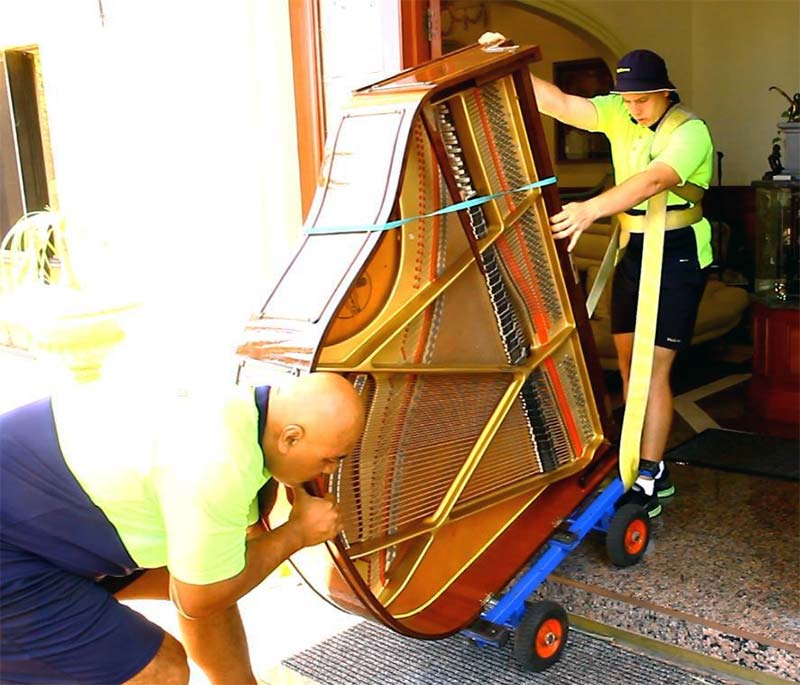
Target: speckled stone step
[737, 647]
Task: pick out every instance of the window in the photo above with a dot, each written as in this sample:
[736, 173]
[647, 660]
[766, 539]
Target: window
[26, 169]
[361, 41]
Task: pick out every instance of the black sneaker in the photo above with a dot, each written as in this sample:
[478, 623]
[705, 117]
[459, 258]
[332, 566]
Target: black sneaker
[637, 495]
[664, 486]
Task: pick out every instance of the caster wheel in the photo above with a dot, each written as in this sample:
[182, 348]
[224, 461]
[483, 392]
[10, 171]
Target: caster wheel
[540, 636]
[628, 535]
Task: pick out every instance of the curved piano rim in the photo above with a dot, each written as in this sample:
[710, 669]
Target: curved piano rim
[444, 617]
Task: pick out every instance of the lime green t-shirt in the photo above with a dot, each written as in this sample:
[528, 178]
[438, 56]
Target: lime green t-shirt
[689, 152]
[177, 475]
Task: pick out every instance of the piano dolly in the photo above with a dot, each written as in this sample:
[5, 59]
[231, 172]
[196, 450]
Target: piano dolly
[540, 627]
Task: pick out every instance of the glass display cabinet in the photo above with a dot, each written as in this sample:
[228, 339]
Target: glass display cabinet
[776, 241]
[775, 385]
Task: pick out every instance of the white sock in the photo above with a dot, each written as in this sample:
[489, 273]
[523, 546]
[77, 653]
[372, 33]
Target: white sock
[646, 484]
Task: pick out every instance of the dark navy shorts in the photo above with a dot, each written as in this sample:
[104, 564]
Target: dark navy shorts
[58, 622]
[682, 286]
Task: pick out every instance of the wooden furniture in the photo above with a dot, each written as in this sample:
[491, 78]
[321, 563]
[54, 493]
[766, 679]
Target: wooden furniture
[721, 307]
[775, 386]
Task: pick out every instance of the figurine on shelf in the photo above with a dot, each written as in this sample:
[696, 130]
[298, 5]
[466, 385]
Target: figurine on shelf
[775, 165]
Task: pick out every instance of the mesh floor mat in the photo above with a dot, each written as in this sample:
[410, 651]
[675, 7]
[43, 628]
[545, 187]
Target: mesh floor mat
[728, 450]
[369, 654]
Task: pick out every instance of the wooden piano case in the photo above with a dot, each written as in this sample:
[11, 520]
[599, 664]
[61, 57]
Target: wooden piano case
[464, 332]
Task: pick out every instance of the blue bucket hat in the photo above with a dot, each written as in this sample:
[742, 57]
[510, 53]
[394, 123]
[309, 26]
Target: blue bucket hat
[642, 71]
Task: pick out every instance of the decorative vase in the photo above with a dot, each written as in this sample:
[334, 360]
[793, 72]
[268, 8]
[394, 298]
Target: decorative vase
[791, 148]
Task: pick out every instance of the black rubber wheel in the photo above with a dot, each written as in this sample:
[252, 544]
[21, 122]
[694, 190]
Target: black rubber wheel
[541, 636]
[628, 535]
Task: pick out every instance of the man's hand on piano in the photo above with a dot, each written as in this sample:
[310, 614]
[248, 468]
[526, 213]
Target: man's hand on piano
[573, 219]
[317, 519]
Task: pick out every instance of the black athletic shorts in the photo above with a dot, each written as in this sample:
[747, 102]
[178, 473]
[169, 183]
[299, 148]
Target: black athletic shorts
[682, 286]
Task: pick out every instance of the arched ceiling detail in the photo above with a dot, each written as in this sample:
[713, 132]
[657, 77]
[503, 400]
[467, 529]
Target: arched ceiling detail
[566, 12]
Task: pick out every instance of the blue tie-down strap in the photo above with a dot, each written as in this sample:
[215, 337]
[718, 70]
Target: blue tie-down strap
[466, 204]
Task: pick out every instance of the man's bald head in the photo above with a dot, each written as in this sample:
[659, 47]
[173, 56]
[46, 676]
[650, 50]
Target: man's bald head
[311, 424]
[328, 403]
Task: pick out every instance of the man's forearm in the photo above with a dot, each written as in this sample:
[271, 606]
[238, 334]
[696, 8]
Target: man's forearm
[632, 192]
[265, 552]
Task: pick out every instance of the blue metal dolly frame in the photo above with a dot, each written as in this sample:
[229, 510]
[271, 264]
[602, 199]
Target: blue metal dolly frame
[502, 616]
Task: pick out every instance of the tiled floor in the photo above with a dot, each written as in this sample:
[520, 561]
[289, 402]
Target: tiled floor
[722, 575]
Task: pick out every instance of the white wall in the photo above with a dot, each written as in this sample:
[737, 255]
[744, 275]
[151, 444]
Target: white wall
[741, 49]
[174, 144]
[722, 54]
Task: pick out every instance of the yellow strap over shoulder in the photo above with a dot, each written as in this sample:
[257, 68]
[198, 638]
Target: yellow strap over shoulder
[655, 224]
[675, 117]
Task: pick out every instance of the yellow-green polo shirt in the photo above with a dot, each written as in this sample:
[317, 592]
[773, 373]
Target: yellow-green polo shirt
[177, 474]
[689, 152]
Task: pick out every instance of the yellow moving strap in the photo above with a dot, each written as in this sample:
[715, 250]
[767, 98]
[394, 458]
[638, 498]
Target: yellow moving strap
[677, 218]
[644, 339]
[604, 272]
[655, 223]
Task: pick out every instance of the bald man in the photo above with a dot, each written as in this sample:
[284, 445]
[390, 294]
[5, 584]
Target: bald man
[110, 494]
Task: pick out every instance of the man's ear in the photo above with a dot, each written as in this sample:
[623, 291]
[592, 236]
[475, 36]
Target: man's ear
[290, 436]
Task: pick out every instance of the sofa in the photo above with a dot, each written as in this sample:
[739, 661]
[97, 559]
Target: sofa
[721, 308]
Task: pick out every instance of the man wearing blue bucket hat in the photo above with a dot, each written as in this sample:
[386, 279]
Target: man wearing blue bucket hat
[657, 147]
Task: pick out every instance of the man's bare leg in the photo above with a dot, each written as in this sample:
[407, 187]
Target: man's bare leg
[658, 419]
[217, 644]
[624, 344]
[167, 667]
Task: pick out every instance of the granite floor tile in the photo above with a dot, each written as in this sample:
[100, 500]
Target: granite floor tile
[622, 612]
[722, 573]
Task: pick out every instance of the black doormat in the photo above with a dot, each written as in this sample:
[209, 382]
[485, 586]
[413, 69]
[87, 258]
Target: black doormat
[727, 450]
[368, 654]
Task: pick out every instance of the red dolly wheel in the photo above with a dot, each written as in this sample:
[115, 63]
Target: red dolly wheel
[628, 535]
[541, 636]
